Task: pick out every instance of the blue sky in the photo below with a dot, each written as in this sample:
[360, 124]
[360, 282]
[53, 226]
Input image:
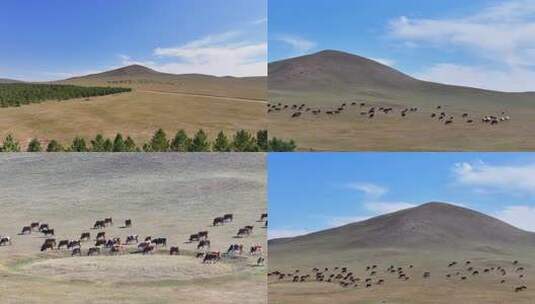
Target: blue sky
[314, 191]
[54, 39]
[481, 43]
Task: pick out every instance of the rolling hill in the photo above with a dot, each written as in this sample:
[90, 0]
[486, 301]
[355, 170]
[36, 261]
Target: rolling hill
[143, 78]
[5, 80]
[338, 75]
[431, 225]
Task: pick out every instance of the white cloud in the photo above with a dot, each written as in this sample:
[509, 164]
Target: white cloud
[284, 233]
[512, 80]
[220, 55]
[519, 216]
[503, 34]
[385, 61]
[369, 189]
[299, 44]
[260, 21]
[510, 179]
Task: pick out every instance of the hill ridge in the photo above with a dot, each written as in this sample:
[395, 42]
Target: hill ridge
[430, 224]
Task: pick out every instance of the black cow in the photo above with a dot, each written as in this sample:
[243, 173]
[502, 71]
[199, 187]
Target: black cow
[174, 251]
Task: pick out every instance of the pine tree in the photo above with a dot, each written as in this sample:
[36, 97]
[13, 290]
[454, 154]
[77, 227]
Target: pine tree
[108, 145]
[10, 144]
[278, 145]
[221, 143]
[159, 142]
[244, 142]
[181, 142]
[130, 145]
[262, 140]
[118, 144]
[200, 142]
[34, 146]
[54, 146]
[97, 145]
[78, 145]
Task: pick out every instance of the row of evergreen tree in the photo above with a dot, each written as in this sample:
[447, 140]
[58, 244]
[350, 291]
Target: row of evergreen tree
[241, 141]
[17, 94]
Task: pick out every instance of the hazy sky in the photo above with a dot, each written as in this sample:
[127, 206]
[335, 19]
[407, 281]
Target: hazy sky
[55, 39]
[481, 43]
[314, 191]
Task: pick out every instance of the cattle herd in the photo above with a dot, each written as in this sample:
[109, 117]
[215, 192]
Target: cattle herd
[375, 276]
[373, 111]
[103, 244]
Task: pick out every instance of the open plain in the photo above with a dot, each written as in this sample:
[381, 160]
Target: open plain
[167, 196]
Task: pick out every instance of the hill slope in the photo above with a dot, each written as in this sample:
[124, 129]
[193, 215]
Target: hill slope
[143, 78]
[5, 80]
[331, 74]
[432, 225]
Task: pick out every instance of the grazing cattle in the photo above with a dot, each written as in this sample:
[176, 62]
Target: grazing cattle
[228, 217]
[86, 236]
[260, 261]
[47, 232]
[426, 275]
[257, 249]
[160, 242]
[148, 238]
[243, 232]
[218, 221]
[101, 242]
[203, 244]
[174, 251]
[194, 237]
[235, 248]
[93, 251]
[148, 249]
[128, 223]
[117, 249]
[43, 227]
[27, 229]
[101, 235]
[202, 235]
[469, 121]
[211, 257]
[76, 251]
[99, 225]
[63, 243]
[296, 114]
[108, 221]
[5, 240]
[143, 245]
[48, 244]
[132, 238]
[520, 288]
[199, 254]
[35, 225]
[73, 244]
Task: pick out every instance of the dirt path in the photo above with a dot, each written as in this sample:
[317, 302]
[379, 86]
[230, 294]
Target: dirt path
[207, 96]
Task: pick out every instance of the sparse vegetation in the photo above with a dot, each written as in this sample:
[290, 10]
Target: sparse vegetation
[241, 141]
[17, 94]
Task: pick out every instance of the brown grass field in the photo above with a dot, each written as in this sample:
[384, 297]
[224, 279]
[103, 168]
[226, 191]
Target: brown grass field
[165, 195]
[171, 102]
